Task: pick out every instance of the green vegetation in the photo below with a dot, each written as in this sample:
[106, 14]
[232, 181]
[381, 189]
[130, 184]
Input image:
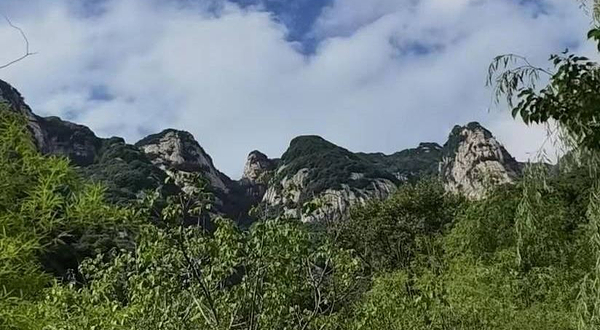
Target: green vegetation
[330, 166]
[125, 171]
[520, 259]
[410, 163]
[525, 257]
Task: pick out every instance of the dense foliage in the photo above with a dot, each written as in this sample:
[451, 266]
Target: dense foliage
[420, 260]
[525, 257]
[409, 163]
[330, 166]
[125, 171]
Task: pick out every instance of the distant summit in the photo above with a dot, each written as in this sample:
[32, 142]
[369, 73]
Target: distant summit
[311, 169]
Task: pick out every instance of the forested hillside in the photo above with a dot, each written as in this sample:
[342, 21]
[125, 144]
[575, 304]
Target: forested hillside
[100, 234]
[522, 258]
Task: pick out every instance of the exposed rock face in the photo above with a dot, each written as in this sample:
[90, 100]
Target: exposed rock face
[15, 101]
[319, 181]
[337, 203]
[474, 161]
[179, 155]
[256, 166]
[74, 141]
[257, 173]
[289, 196]
[53, 135]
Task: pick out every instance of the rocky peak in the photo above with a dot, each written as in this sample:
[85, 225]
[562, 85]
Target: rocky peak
[427, 147]
[177, 151]
[13, 98]
[256, 166]
[77, 142]
[313, 169]
[473, 161]
[53, 135]
[10, 96]
[306, 145]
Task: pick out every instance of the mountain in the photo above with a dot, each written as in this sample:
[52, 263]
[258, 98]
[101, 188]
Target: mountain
[473, 160]
[314, 180]
[180, 156]
[315, 169]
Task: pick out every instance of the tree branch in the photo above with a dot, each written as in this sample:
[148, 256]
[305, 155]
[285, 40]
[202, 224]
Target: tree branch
[27, 51]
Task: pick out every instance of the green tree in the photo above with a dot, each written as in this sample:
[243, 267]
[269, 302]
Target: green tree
[385, 234]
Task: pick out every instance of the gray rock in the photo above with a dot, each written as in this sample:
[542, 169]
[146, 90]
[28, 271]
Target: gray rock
[180, 156]
[52, 135]
[312, 172]
[16, 103]
[474, 161]
[256, 166]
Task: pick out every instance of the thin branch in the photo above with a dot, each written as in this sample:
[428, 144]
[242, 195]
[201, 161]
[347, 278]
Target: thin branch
[27, 51]
[508, 74]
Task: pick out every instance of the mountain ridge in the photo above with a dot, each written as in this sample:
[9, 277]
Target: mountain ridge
[311, 169]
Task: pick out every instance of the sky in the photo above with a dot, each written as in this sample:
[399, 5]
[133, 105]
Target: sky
[240, 75]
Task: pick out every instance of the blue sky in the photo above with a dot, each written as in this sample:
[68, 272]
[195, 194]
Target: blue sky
[376, 75]
[298, 16]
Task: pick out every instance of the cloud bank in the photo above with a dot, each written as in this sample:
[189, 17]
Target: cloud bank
[384, 74]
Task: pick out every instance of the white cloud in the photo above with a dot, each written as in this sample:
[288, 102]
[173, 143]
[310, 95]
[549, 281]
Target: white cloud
[386, 75]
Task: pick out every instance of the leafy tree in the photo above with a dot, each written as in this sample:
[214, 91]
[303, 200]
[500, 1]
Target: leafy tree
[49, 219]
[385, 233]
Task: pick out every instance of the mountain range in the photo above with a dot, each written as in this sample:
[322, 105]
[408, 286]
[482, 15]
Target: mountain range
[311, 172]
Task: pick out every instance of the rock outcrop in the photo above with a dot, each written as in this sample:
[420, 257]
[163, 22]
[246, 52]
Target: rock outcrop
[257, 165]
[317, 180]
[257, 174]
[180, 156]
[290, 198]
[63, 138]
[51, 134]
[474, 161]
[10, 96]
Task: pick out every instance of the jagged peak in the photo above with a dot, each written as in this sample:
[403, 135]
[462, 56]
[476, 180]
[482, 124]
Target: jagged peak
[189, 150]
[10, 95]
[257, 154]
[154, 138]
[474, 160]
[178, 150]
[257, 164]
[57, 123]
[472, 126]
[311, 139]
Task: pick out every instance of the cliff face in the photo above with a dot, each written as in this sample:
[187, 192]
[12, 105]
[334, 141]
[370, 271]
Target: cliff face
[317, 176]
[314, 180]
[474, 161]
[257, 165]
[53, 135]
[16, 103]
[179, 155]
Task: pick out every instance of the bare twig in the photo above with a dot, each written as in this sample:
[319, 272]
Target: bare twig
[27, 51]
